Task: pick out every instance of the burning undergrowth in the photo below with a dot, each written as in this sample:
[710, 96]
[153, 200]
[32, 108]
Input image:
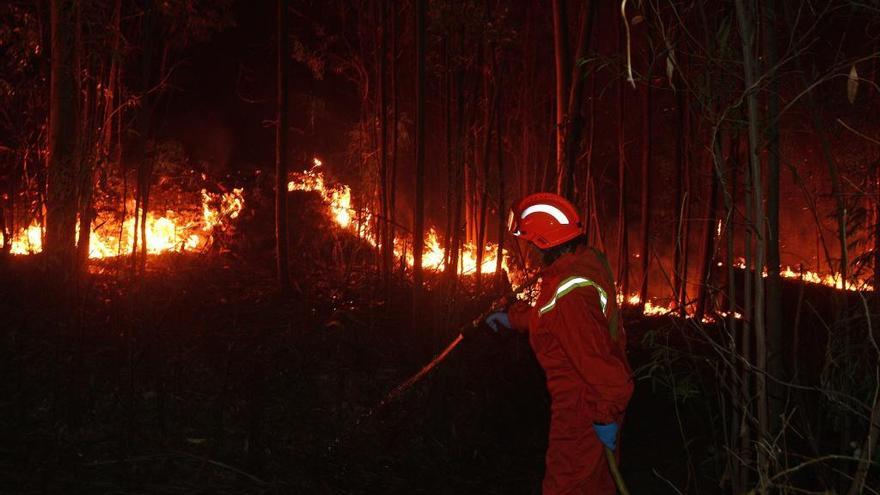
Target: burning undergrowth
[187, 212]
[363, 223]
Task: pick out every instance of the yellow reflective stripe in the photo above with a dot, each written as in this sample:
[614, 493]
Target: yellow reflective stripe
[571, 284]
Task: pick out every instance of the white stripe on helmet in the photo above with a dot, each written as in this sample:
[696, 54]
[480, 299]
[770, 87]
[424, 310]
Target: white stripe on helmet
[548, 209]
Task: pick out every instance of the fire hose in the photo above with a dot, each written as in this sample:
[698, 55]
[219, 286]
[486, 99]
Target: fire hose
[399, 390]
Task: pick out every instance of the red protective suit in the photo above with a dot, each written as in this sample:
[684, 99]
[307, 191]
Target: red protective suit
[589, 379]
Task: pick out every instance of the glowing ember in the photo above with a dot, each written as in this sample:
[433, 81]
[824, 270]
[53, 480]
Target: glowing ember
[339, 204]
[171, 232]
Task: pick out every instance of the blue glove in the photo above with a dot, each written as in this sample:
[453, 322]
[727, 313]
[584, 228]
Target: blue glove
[607, 434]
[498, 319]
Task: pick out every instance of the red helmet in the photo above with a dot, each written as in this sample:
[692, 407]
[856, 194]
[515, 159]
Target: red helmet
[545, 220]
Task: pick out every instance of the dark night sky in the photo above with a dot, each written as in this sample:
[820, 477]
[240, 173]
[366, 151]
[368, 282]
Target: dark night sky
[223, 108]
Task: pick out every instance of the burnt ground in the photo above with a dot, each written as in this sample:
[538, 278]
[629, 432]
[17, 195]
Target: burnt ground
[200, 378]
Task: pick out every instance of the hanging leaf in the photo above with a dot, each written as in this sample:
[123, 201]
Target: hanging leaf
[637, 19]
[852, 85]
[670, 68]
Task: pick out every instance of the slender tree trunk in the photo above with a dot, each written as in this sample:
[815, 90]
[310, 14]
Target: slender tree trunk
[61, 196]
[877, 233]
[384, 229]
[775, 365]
[89, 108]
[502, 209]
[563, 71]
[747, 34]
[281, 243]
[680, 199]
[484, 200]
[623, 224]
[460, 191]
[143, 150]
[709, 233]
[451, 184]
[646, 195]
[573, 120]
[747, 392]
[419, 210]
[392, 196]
[589, 199]
[12, 190]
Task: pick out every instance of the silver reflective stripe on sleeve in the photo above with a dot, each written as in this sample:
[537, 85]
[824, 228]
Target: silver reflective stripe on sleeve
[571, 284]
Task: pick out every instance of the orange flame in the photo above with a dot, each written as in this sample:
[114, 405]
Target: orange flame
[171, 232]
[339, 206]
[854, 284]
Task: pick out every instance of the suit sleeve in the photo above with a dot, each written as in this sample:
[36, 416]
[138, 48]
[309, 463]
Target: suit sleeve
[582, 330]
[520, 314]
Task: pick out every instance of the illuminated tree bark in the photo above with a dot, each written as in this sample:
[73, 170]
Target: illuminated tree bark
[281, 257]
[143, 152]
[392, 180]
[384, 223]
[569, 93]
[682, 202]
[502, 210]
[560, 51]
[61, 199]
[646, 196]
[419, 207]
[489, 122]
[622, 220]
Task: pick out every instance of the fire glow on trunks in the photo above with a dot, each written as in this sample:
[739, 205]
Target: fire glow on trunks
[171, 232]
[363, 224]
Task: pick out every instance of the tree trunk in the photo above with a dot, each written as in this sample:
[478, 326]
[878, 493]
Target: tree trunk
[590, 227]
[573, 123]
[459, 188]
[775, 365]
[622, 225]
[484, 200]
[877, 233]
[281, 256]
[392, 196]
[747, 34]
[709, 227]
[384, 225]
[502, 210]
[143, 151]
[682, 204]
[61, 199]
[560, 50]
[89, 108]
[646, 196]
[451, 184]
[419, 209]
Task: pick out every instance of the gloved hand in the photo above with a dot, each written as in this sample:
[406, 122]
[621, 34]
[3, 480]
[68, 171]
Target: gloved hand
[498, 319]
[607, 434]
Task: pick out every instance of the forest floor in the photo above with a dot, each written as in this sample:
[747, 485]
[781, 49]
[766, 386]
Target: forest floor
[199, 378]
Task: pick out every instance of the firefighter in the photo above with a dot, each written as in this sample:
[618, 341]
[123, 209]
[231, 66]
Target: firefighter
[576, 334]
